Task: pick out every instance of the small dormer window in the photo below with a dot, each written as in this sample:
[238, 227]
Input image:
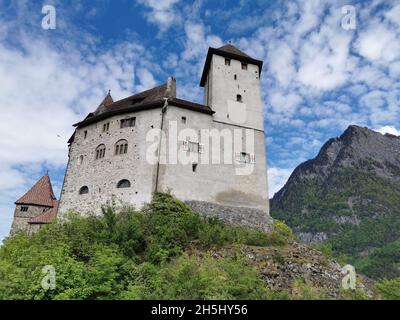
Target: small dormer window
[244, 66]
[239, 98]
[227, 62]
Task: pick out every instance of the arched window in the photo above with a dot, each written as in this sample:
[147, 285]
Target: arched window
[100, 151]
[238, 98]
[84, 190]
[121, 147]
[124, 184]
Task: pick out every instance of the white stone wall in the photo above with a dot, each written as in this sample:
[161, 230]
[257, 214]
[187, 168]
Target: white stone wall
[102, 175]
[216, 183]
[222, 87]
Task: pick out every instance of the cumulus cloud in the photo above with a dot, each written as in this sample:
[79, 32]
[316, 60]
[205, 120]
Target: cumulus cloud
[162, 12]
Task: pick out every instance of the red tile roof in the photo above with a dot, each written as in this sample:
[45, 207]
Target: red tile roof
[40, 194]
[46, 217]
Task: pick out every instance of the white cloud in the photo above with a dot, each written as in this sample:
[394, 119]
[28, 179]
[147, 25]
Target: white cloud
[378, 42]
[388, 129]
[162, 12]
[277, 178]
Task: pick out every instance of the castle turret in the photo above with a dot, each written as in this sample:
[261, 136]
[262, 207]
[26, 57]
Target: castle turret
[36, 207]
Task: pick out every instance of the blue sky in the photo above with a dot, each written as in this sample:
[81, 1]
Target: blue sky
[318, 78]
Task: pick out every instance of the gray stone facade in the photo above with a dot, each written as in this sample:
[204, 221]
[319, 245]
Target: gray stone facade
[232, 108]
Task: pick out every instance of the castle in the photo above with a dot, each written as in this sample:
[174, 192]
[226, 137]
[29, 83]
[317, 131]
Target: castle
[211, 155]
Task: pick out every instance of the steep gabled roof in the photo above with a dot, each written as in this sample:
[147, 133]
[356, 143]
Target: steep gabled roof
[104, 104]
[231, 52]
[46, 217]
[40, 194]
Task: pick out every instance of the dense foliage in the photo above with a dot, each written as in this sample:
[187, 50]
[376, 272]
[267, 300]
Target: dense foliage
[137, 255]
[358, 210]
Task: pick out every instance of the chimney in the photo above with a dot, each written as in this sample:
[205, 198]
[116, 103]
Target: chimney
[171, 87]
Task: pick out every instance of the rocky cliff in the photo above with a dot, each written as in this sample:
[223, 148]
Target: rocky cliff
[349, 197]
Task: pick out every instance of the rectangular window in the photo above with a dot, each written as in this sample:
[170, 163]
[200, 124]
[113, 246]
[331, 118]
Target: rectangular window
[130, 122]
[193, 146]
[106, 126]
[24, 209]
[244, 66]
[227, 62]
[245, 157]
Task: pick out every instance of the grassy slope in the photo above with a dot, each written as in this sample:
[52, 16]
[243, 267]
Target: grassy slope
[166, 251]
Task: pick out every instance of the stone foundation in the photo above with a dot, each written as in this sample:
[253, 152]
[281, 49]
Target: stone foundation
[244, 216]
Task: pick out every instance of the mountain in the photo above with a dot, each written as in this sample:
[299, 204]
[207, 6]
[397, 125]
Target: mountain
[348, 197]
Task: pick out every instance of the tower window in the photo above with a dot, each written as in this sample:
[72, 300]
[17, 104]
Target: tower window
[244, 66]
[80, 160]
[130, 122]
[124, 184]
[235, 77]
[245, 157]
[85, 134]
[106, 126]
[100, 151]
[193, 146]
[24, 209]
[121, 147]
[227, 62]
[194, 167]
[84, 190]
[238, 98]
[183, 120]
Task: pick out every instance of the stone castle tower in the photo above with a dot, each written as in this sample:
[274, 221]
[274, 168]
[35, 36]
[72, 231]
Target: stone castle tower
[36, 207]
[211, 155]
